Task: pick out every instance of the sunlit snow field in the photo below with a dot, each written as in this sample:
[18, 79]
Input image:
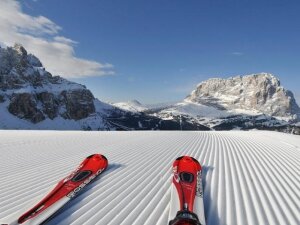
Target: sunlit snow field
[248, 177]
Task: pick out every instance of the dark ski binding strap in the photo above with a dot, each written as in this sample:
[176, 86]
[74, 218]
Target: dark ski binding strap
[185, 217]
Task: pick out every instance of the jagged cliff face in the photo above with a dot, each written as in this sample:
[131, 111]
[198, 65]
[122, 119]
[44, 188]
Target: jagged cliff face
[260, 92]
[34, 94]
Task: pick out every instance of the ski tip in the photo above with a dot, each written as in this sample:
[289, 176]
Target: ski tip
[195, 160]
[186, 158]
[104, 157]
[97, 156]
[179, 157]
[90, 156]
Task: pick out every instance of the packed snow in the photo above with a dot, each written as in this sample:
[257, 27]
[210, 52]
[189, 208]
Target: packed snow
[248, 177]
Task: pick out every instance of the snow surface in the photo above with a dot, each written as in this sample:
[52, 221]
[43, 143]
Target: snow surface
[248, 177]
[195, 109]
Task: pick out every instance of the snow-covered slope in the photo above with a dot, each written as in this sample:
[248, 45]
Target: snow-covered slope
[131, 106]
[249, 177]
[195, 110]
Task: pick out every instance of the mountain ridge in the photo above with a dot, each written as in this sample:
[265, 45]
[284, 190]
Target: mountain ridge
[261, 92]
[32, 98]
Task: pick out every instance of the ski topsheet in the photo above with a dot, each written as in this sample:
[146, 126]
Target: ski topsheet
[66, 189]
[186, 193]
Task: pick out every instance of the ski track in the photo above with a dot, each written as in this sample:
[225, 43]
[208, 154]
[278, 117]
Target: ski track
[249, 177]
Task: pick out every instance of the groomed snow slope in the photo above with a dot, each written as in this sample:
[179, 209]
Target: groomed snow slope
[249, 177]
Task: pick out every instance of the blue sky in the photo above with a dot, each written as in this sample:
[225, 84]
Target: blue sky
[157, 51]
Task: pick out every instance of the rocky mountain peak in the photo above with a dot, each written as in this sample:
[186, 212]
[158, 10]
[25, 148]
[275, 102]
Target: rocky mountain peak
[20, 49]
[30, 59]
[32, 93]
[260, 92]
[17, 67]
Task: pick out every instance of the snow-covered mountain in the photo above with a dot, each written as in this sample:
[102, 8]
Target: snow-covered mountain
[242, 102]
[31, 98]
[131, 106]
[257, 92]
[248, 177]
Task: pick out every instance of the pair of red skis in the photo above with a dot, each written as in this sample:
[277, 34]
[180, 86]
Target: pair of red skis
[186, 198]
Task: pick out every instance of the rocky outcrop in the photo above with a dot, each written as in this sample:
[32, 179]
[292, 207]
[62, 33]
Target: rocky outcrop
[260, 92]
[24, 106]
[34, 94]
[79, 104]
[50, 104]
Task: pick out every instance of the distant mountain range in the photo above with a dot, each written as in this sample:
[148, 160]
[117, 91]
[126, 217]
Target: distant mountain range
[31, 98]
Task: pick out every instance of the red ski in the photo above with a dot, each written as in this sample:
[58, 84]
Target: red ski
[66, 189]
[187, 195]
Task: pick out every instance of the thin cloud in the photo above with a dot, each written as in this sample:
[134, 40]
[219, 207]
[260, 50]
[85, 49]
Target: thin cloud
[62, 39]
[40, 36]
